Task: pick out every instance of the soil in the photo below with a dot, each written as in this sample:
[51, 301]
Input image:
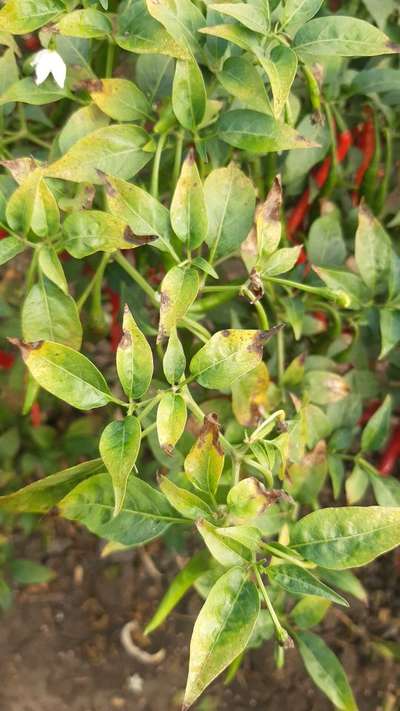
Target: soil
[60, 647]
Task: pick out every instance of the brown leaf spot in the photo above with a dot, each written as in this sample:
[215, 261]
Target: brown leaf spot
[25, 348]
[168, 449]
[211, 427]
[138, 240]
[89, 85]
[125, 341]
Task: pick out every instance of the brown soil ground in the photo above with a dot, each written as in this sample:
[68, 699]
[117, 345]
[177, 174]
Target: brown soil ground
[60, 646]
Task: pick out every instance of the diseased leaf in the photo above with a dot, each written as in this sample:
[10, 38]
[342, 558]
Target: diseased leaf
[121, 99]
[21, 16]
[51, 267]
[49, 314]
[138, 32]
[242, 80]
[145, 514]
[88, 23]
[120, 150]
[179, 289]
[249, 396]
[252, 16]
[43, 494]
[228, 355]
[9, 248]
[134, 359]
[174, 361]
[281, 68]
[119, 448]
[222, 630]
[205, 461]
[188, 209]
[347, 537]
[171, 420]
[67, 374]
[33, 206]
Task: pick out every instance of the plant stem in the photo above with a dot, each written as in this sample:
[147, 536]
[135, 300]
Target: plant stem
[149, 429]
[196, 328]
[30, 277]
[178, 157]
[281, 633]
[262, 316]
[97, 276]
[156, 165]
[110, 59]
[155, 400]
[280, 355]
[137, 277]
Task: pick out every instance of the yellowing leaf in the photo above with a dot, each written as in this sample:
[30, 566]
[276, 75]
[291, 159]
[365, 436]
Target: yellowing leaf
[205, 461]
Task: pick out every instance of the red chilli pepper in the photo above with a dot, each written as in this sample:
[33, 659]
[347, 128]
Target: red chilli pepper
[391, 454]
[368, 412]
[3, 234]
[31, 42]
[320, 175]
[365, 141]
[6, 360]
[36, 415]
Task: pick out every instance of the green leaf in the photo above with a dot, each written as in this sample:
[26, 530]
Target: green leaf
[42, 495]
[269, 224]
[228, 355]
[188, 209]
[252, 16]
[21, 16]
[225, 550]
[48, 314]
[242, 80]
[67, 374]
[27, 92]
[326, 246]
[324, 387]
[204, 266]
[6, 596]
[343, 36]
[347, 537]
[90, 231]
[356, 485]
[88, 23]
[81, 122]
[188, 504]
[378, 80]
[205, 461]
[346, 581]
[222, 630]
[189, 98]
[9, 248]
[181, 18]
[282, 261]
[390, 330]
[377, 428]
[179, 289]
[33, 206]
[230, 199]
[249, 396]
[51, 267]
[281, 68]
[196, 566]
[309, 611]
[119, 448]
[236, 34]
[138, 32]
[325, 670]
[145, 514]
[134, 359]
[258, 133]
[174, 361]
[27, 572]
[386, 490]
[298, 581]
[346, 282]
[171, 420]
[120, 150]
[248, 500]
[121, 99]
[297, 12]
[372, 250]
[145, 215]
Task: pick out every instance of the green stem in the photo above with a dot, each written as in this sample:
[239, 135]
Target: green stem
[262, 316]
[156, 165]
[281, 633]
[198, 412]
[155, 400]
[110, 59]
[280, 355]
[137, 277]
[320, 291]
[98, 275]
[196, 328]
[178, 157]
[149, 429]
[30, 277]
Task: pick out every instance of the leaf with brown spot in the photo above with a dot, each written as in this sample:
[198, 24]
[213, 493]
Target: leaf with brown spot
[269, 225]
[171, 420]
[134, 359]
[205, 461]
[179, 289]
[249, 396]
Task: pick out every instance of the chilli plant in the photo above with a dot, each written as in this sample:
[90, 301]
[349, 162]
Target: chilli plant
[197, 194]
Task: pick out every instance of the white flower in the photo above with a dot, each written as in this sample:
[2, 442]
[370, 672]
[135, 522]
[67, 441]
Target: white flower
[46, 62]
